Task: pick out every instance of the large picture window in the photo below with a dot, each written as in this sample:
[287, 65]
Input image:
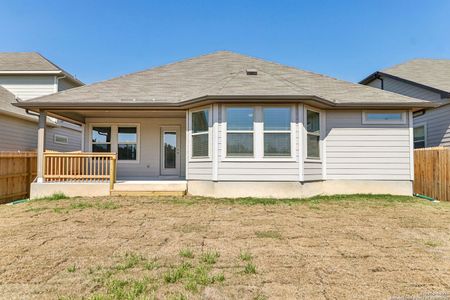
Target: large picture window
[200, 133]
[277, 131]
[127, 143]
[240, 131]
[312, 134]
[101, 139]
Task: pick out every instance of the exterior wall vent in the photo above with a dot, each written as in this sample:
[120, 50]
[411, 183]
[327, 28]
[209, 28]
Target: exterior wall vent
[252, 72]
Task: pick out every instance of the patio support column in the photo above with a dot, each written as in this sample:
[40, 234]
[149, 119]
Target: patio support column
[41, 146]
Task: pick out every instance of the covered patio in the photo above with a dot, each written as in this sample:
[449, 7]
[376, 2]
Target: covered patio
[123, 152]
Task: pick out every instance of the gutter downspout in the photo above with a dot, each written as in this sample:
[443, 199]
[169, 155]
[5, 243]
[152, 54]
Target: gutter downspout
[377, 76]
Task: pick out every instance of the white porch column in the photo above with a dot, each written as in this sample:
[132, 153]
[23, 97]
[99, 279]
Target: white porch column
[41, 146]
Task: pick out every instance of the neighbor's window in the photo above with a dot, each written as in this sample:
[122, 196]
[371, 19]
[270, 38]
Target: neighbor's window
[312, 134]
[200, 133]
[127, 143]
[419, 137]
[384, 117]
[101, 139]
[60, 139]
[239, 131]
[277, 131]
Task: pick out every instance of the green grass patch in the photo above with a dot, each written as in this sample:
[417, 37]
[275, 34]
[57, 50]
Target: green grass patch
[433, 244]
[151, 265]
[187, 253]
[54, 197]
[250, 268]
[130, 260]
[245, 256]
[210, 257]
[71, 269]
[268, 234]
[384, 198]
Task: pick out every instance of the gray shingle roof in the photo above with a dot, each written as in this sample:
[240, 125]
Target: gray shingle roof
[219, 74]
[25, 61]
[434, 73]
[30, 62]
[6, 100]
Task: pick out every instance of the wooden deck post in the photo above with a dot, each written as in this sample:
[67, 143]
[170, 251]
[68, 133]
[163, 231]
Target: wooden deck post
[41, 146]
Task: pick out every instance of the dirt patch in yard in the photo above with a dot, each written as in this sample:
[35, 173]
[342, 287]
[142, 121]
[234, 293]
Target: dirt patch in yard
[189, 248]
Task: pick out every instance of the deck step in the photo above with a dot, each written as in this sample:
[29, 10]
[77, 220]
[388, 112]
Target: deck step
[150, 188]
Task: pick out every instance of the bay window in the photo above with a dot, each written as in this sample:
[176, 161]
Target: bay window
[277, 131]
[312, 134]
[240, 131]
[200, 133]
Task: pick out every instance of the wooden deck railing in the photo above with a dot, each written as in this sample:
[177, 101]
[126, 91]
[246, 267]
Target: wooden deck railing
[79, 167]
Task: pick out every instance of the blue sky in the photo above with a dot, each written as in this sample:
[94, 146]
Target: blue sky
[98, 40]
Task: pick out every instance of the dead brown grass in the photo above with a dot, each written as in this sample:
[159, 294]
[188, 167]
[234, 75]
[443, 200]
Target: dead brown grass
[174, 248]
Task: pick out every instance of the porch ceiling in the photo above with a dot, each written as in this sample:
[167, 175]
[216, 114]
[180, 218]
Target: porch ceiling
[80, 116]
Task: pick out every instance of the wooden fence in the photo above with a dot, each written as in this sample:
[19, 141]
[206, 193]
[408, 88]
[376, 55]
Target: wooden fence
[79, 167]
[432, 173]
[17, 171]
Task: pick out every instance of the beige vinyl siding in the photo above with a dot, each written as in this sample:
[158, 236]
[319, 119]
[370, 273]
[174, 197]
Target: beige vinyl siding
[27, 87]
[365, 152]
[437, 122]
[149, 164]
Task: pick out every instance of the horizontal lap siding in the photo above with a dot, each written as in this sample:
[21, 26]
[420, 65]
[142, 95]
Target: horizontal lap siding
[258, 171]
[438, 123]
[200, 170]
[367, 152]
[313, 171]
[74, 139]
[17, 134]
[27, 87]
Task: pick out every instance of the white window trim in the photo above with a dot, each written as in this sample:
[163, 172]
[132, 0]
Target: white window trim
[321, 134]
[190, 134]
[291, 131]
[385, 122]
[62, 137]
[424, 125]
[114, 139]
[258, 135]
[253, 131]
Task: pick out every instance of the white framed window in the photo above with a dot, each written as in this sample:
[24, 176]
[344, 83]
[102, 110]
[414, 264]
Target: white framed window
[240, 131]
[60, 139]
[277, 131]
[127, 139]
[420, 136]
[200, 138]
[120, 138]
[384, 117]
[101, 139]
[312, 134]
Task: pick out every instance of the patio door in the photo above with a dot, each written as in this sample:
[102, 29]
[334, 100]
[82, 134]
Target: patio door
[170, 150]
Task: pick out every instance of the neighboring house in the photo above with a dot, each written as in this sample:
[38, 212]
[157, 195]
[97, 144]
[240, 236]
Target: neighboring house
[23, 76]
[427, 79]
[230, 125]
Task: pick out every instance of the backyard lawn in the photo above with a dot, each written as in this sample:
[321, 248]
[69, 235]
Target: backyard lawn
[337, 247]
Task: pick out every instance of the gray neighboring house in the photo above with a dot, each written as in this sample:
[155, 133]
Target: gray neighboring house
[230, 125]
[23, 76]
[427, 79]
